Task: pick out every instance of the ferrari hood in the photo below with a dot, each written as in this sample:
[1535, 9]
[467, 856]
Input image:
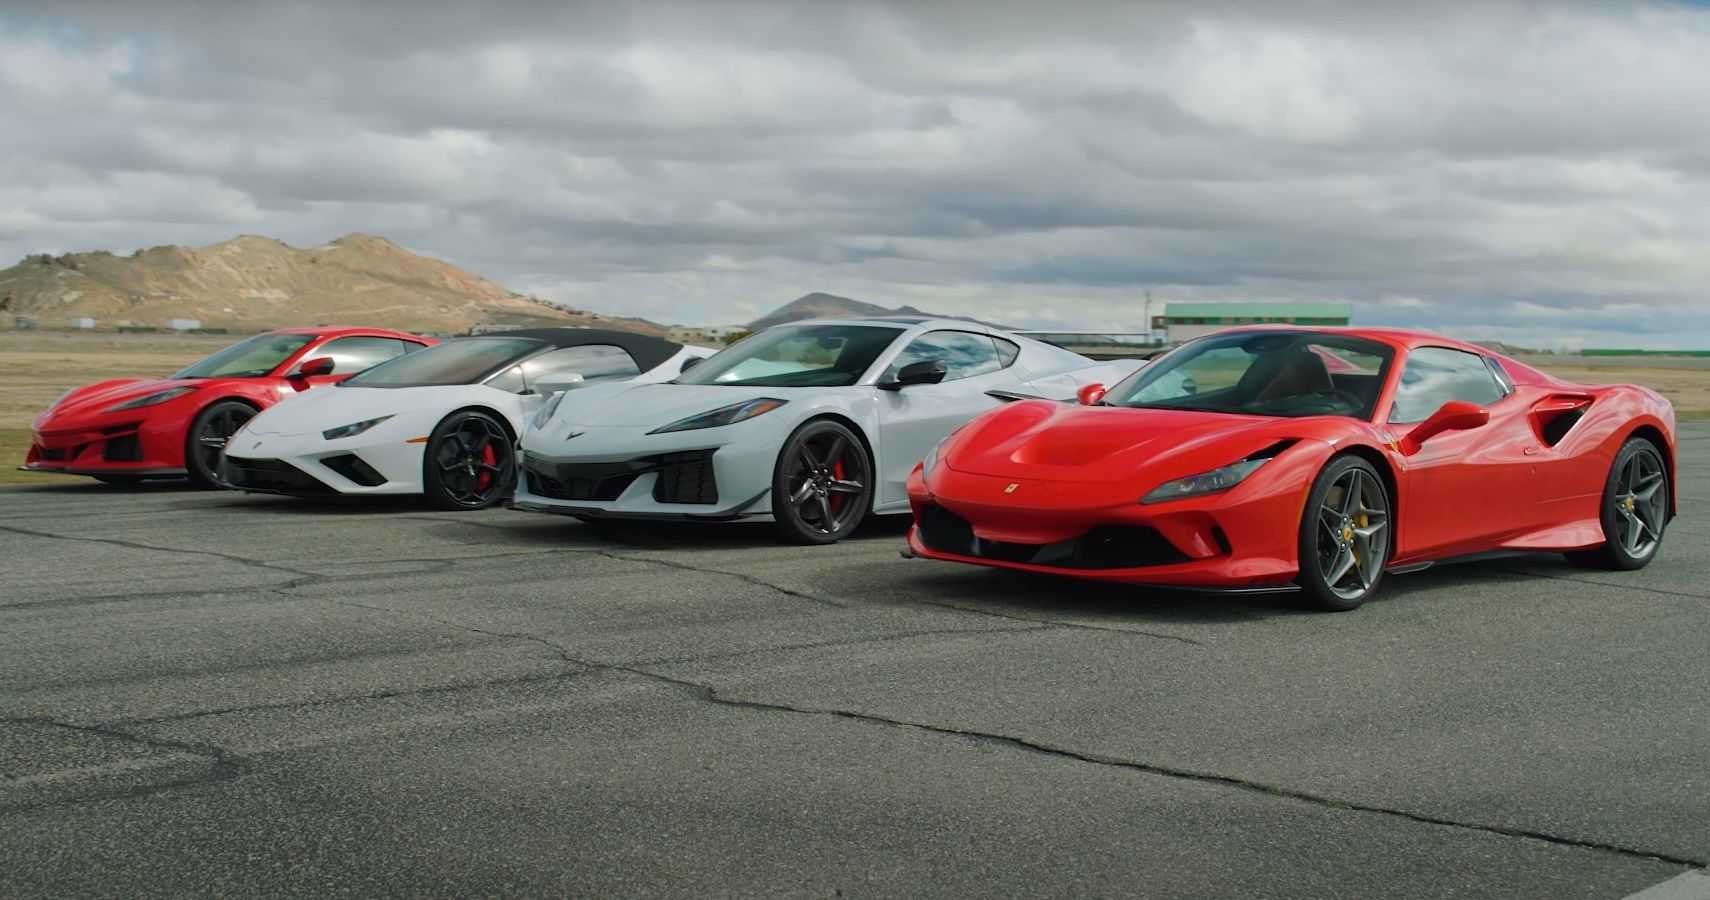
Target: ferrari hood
[1065, 442]
[330, 407]
[95, 398]
[653, 405]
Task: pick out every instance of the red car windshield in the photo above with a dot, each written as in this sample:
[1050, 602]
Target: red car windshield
[1288, 373]
[248, 358]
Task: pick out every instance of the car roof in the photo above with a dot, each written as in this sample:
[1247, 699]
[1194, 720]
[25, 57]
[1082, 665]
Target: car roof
[922, 322]
[346, 331]
[1401, 338]
[647, 350]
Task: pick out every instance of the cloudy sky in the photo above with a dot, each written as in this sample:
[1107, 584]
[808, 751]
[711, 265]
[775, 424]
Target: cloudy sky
[1527, 171]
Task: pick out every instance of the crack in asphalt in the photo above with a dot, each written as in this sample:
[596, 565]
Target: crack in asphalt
[225, 764]
[1625, 587]
[1062, 624]
[849, 642]
[707, 570]
[133, 545]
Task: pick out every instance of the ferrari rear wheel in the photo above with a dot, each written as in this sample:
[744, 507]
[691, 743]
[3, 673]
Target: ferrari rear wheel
[470, 462]
[205, 445]
[1634, 510]
[1344, 535]
[822, 485]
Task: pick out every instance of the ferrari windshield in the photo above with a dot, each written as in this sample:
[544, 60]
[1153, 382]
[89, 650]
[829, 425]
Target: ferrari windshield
[462, 361]
[796, 356]
[1271, 373]
[249, 358]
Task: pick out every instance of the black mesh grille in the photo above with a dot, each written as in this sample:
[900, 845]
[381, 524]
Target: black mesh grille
[685, 478]
[57, 454]
[126, 448]
[568, 487]
[1103, 547]
[271, 475]
[352, 467]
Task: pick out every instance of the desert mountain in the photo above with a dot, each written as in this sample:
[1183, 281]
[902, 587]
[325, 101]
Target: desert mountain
[252, 283]
[818, 305]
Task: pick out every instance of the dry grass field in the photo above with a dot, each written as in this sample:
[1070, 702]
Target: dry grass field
[37, 366]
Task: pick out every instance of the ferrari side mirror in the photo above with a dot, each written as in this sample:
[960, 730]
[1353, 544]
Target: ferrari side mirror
[927, 371]
[1090, 394]
[320, 365]
[1455, 415]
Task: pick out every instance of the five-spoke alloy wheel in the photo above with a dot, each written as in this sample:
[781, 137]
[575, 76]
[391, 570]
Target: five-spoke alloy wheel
[1344, 535]
[470, 462]
[205, 445]
[822, 485]
[1635, 509]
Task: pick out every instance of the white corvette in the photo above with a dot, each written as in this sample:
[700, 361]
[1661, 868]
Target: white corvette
[441, 421]
[811, 425]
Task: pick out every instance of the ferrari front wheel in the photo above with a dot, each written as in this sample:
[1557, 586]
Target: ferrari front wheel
[205, 445]
[1344, 535]
[1634, 510]
[470, 463]
[822, 485]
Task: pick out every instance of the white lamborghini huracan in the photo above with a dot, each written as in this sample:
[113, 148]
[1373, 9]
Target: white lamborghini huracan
[811, 425]
[441, 421]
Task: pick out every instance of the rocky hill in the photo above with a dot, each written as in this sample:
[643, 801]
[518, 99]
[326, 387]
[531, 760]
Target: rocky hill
[818, 305]
[254, 283]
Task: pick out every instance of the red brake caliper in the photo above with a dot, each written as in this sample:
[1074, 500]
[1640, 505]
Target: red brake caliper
[489, 458]
[837, 499]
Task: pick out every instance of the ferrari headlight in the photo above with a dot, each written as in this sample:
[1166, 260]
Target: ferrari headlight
[1212, 482]
[153, 399]
[545, 414]
[353, 429]
[724, 415]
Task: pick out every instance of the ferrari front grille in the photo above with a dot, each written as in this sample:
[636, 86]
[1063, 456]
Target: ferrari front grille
[1103, 547]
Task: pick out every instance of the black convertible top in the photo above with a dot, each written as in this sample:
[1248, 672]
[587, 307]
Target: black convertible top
[647, 351]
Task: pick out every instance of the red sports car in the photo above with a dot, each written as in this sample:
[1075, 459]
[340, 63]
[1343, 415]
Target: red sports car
[1279, 458]
[124, 431]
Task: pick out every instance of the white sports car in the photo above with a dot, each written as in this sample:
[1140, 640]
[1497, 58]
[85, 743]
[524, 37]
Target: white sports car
[811, 425]
[441, 421]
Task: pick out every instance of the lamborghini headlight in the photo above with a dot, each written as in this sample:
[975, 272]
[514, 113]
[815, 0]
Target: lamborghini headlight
[153, 399]
[546, 412]
[724, 415]
[353, 429]
[1212, 482]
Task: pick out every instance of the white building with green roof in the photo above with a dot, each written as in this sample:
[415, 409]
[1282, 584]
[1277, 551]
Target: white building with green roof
[1183, 321]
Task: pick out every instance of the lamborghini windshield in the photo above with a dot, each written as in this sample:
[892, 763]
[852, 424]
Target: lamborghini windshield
[462, 361]
[1272, 373]
[249, 358]
[796, 356]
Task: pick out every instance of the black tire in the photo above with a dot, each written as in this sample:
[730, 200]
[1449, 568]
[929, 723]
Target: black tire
[1634, 510]
[205, 443]
[822, 484]
[119, 479]
[1345, 536]
[470, 462]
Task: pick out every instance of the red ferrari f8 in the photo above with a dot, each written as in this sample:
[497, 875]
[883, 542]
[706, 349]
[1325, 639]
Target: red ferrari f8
[124, 431]
[1283, 458]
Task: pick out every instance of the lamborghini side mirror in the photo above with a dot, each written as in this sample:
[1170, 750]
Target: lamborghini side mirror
[557, 382]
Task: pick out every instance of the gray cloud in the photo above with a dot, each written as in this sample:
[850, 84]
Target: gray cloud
[1529, 171]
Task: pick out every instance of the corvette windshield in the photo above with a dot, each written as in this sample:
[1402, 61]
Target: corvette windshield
[796, 356]
[249, 358]
[1274, 373]
[460, 361]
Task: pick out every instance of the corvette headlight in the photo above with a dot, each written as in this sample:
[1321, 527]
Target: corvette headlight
[353, 429]
[151, 399]
[545, 414]
[724, 415]
[61, 399]
[1212, 482]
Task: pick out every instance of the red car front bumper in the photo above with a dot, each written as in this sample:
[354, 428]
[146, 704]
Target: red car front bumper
[1243, 539]
[151, 446]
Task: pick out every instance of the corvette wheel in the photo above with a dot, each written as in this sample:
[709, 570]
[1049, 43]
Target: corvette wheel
[1344, 535]
[205, 445]
[1634, 510]
[469, 463]
[822, 485]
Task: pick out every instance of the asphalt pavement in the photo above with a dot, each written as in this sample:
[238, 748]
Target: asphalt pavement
[212, 693]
